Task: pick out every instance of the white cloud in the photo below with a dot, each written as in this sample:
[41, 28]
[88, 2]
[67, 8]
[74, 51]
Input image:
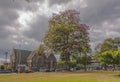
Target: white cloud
[25, 17]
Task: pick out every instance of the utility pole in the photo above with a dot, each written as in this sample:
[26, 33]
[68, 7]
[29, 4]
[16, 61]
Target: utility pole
[6, 54]
[19, 54]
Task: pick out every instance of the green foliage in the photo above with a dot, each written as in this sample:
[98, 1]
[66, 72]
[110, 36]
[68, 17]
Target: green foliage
[84, 60]
[61, 63]
[108, 44]
[41, 49]
[9, 69]
[116, 42]
[72, 63]
[62, 56]
[2, 67]
[110, 57]
[106, 57]
[66, 33]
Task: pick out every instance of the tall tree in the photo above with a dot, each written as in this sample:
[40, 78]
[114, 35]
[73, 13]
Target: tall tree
[107, 45]
[110, 58]
[117, 43]
[67, 35]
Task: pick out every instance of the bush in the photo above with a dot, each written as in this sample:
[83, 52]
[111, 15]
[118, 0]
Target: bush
[61, 63]
[9, 69]
[2, 67]
[73, 63]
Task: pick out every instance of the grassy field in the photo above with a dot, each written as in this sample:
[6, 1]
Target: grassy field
[62, 77]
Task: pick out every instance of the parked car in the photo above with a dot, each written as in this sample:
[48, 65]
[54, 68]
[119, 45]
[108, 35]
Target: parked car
[43, 69]
[52, 69]
[76, 68]
[59, 69]
[5, 71]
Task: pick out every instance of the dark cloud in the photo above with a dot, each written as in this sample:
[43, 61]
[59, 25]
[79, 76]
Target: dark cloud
[4, 33]
[53, 2]
[98, 11]
[38, 28]
[12, 5]
[8, 17]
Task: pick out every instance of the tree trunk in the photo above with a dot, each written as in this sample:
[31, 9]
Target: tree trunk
[85, 62]
[85, 67]
[113, 67]
[105, 67]
[67, 62]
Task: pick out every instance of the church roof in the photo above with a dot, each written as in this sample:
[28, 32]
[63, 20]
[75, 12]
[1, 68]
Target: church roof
[22, 54]
[32, 54]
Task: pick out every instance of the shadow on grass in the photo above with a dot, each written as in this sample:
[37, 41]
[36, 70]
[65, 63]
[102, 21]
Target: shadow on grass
[117, 75]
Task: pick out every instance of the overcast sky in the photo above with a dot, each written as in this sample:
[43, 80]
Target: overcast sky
[26, 23]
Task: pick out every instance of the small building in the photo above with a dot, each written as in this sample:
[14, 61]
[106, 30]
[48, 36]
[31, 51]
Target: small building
[18, 57]
[45, 60]
[50, 60]
[33, 61]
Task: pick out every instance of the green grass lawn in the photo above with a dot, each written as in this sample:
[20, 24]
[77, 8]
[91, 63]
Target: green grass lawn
[62, 77]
